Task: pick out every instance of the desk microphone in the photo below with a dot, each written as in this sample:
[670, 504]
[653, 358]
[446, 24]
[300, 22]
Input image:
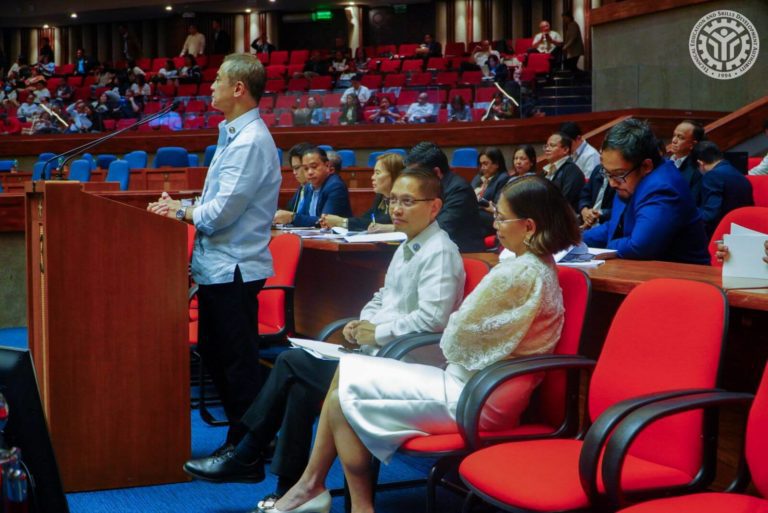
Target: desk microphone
[67, 156]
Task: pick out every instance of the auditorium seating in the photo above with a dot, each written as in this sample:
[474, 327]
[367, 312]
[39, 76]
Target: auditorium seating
[119, 172]
[171, 156]
[759, 189]
[103, 161]
[348, 158]
[209, 152]
[80, 170]
[136, 159]
[464, 157]
[754, 218]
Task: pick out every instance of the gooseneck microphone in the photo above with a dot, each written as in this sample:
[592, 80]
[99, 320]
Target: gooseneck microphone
[67, 156]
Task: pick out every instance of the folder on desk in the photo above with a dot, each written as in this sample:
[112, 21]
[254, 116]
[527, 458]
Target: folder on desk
[744, 267]
[318, 349]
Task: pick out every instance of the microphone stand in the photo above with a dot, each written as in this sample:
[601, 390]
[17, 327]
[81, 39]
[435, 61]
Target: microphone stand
[69, 155]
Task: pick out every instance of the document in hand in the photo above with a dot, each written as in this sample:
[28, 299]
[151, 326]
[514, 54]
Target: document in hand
[744, 267]
[321, 350]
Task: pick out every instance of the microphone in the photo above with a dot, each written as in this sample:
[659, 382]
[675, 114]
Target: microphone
[70, 154]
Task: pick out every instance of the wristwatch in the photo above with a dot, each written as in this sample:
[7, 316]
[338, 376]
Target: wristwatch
[181, 213]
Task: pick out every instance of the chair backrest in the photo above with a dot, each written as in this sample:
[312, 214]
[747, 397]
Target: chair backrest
[119, 171]
[666, 335]
[474, 271]
[39, 174]
[45, 156]
[286, 252]
[80, 170]
[754, 218]
[464, 157]
[136, 159]
[759, 189]
[399, 151]
[348, 158]
[372, 158]
[103, 161]
[209, 152]
[756, 444]
[90, 159]
[193, 159]
[173, 156]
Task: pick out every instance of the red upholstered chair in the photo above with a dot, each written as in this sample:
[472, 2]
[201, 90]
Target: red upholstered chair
[390, 66]
[753, 162]
[411, 65]
[755, 449]
[523, 44]
[420, 79]
[464, 92]
[276, 71]
[407, 49]
[552, 414]
[665, 341]
[437, 63]
[214, 120]
[187, 90]
[447, 78]
[321, 83]
[275, 86]
[754, 218]
[278, 57]
[386, 50]
[195, 107]
[267, 103]
[394, 80]
[263, 58]
[759, 189]
[455, 49]
[472, 78]
[209, 74]
[371, 81]
[299, 57]
[539, 63]
[298, 84]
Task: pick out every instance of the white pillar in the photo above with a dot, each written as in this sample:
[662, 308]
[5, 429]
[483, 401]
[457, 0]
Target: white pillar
[354, 16]
[34, 50]
[440, 21]
[461, 21]
[240, 21]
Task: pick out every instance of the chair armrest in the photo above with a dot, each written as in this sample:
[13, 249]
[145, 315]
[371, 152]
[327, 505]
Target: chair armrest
[404, 344]
[287, 288]
[332, 327]
[640, 418]
[480, 387]
[603, 427]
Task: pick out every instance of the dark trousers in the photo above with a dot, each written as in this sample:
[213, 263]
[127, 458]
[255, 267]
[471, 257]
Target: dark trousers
[229, 344]
[289, 401]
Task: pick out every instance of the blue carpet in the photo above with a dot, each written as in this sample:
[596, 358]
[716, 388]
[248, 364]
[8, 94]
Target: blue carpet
[202, 497]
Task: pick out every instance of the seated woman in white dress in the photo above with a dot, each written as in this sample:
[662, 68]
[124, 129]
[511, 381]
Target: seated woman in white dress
[375, 404]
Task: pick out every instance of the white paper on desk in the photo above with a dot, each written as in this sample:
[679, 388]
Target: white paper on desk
[291, 228]
[590, 264]
[377, 237]
[744, 267]
[321, 350]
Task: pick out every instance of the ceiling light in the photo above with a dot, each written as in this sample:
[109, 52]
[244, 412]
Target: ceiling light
[73, 15]
[46, 26]
[248, 11]
[168, 7]
[273, 1]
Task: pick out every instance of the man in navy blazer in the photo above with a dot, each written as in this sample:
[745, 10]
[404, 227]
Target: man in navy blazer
[329, 194]
[723, 188]
[685, 137]
[653, 216]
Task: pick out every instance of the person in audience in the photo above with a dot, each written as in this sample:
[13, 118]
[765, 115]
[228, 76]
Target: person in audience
[34, 77]
[80, 114]
[722, 252]
[128, 106]
[19, 69]
[686, 136]
[458, 110]
[480, 55]
[46, 50]
[501, 108]
[583, 154]
[41, 124]
[329, 193]
[64, 92]
[41, 92]
[303, 191]
[167, 72]
[376, 219]
[573, 45]
[83, 63]
[497, 70]
[8, 95]
[362, 60]
[351, 112]
[459, 215]
[28, 109]
[262, 45]
[129, 44]
[762, 167]
[340, 45]
[523, 161]
[488, 184]
[358, 89]
[312, 114]
[517, 310]
[316, 65]
[421, 111]
[421, 289]
[222, 42]
[232, 218]
[547, 40]
[386, 113]
[429, 48]
[561, 169]
[653, 216]
[45, 66]
[141, 88]
[595, 200]
[339, 65]
[9, 125]
[194, 44]
[723, 187]
[190, 73]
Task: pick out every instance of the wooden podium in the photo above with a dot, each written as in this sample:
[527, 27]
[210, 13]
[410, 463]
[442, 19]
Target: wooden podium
[108, 330]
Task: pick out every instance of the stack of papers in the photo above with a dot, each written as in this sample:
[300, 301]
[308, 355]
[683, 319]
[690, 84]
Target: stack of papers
[376, 237]
[744, 268]
[321, 350]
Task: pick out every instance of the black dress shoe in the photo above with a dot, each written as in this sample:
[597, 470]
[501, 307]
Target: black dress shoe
[225, 468]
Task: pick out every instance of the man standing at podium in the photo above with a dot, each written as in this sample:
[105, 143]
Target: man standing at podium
[231, 258]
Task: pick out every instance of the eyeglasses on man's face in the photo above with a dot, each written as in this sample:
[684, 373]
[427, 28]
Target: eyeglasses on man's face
[405, 201]
[616, 177]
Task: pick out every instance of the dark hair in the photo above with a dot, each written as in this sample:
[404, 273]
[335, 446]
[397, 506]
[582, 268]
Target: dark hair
[565, 140]
[569, 14]
[536, 198]
[530, 152]
[457, 98]
[635, 141]
[708, 152]
[570, 129]
[316, 150]
[698, 130]
[429, 183]
[297, 150]
[429, 155]
[494, 155]
[765, 125]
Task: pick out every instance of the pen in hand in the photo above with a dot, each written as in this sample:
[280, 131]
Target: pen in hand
[373, 219]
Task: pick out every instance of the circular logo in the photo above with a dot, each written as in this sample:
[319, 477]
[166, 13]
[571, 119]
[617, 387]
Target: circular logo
[724, 44]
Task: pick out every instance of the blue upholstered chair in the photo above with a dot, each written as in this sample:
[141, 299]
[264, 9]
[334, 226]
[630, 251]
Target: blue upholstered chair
[194, 160]
[90, 159]
[399, 151]
[209, 152]
[45, 156]
[136, 159]
[464, 157]
[80, 170]
[6, 165]
[171, 156]
[326, 147]
[348, 158]
[119, 172]
[103, 161]
[373, 156]
[37, 171]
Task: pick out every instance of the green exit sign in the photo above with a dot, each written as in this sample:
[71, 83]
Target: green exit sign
[322, 16]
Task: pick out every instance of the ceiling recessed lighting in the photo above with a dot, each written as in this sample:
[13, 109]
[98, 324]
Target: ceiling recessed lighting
[248, 11]
[168, 7]
[46, 26]
[273, 1]
[73, 15]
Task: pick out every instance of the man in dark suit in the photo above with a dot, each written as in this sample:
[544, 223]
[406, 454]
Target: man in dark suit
[459, 216]
[595, 199]
[723, 188]
[222, 43]
[329, 193]
[653, 215]
[303, 190]
[561, 169]
[684, 139]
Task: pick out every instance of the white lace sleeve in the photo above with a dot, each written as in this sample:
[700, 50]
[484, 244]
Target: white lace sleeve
[498, 314]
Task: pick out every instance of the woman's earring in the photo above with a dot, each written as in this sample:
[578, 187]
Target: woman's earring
[527, 242]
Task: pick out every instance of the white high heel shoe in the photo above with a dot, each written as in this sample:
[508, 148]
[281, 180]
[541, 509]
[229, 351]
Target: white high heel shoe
[319, 504]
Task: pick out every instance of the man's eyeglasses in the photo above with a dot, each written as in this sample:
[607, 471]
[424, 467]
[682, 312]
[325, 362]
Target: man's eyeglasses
[619, 178]
[406, 201]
